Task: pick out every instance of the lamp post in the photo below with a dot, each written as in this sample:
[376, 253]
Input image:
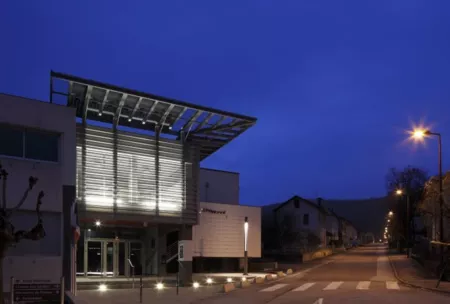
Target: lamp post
[245, 246]
[399, 192]
[420, 134]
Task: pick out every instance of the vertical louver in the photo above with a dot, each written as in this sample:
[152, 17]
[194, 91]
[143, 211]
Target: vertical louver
[141, 184]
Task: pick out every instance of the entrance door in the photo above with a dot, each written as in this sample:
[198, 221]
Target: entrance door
[108, 257]
[94, 258]
[136, 256]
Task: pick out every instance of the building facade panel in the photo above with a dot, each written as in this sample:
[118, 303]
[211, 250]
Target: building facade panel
[220, 232]
[218, 186]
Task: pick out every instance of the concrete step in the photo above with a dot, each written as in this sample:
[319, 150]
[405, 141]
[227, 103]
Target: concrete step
[123, 284]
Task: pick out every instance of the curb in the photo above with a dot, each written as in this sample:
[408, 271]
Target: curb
[403, 282]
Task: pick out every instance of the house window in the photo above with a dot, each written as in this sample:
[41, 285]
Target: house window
[31, 144]
[306, 219]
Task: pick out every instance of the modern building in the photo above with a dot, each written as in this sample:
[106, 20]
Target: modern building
[126, 166]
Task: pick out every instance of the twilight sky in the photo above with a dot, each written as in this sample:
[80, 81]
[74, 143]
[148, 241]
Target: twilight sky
[334, 84]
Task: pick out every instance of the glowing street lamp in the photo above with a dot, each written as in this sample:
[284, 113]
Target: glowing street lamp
[419, 134]
[399, 192]
[391, 213]
[245, 246]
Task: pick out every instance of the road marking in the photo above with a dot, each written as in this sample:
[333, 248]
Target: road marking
[304, 287]
[392, 285]
[274, 287]
[363, 285]
[333, 286]
[319, 301]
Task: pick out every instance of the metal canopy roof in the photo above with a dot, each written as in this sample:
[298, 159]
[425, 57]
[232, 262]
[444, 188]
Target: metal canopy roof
[211, 129]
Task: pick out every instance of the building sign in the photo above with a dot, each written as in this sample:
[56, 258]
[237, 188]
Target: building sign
[36, 291]
[185, 251]
[181, 252]
[213, 211]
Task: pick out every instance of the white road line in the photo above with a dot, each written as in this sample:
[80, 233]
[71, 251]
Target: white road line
[363, 285]
[333, 286]
[392, 285]
[274, 287]
[304, 287]
[319, 301]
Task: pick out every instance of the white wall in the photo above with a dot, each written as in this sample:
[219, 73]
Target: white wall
[333, 226]
[222, 235]
[47, 253]
[223, 186]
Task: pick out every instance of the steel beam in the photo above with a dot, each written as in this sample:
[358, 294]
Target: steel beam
[87, 99]
[155, 103]
[119, 110]
[105, 99]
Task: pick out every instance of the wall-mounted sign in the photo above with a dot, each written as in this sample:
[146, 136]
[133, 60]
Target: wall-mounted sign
[37, 291]
[213, 211]
[185, 251]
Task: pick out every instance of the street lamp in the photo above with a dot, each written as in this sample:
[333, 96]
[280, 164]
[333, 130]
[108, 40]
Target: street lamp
[391, 213]
[399, 192]
[419, 135]
[245, 246]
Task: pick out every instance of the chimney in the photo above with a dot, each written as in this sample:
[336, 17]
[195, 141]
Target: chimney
[319, 201]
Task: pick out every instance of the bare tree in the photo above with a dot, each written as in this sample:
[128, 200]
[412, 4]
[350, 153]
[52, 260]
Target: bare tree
[429, 206]
[8, 234]
[411, 181]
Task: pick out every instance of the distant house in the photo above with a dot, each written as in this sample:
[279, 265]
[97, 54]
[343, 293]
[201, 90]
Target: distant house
[297, 225]
[332, 227]
[365, 215]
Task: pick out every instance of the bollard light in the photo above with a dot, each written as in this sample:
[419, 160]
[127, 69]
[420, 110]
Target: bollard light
[102, 287]
[196, 285]
[159, 286]
[209, 280]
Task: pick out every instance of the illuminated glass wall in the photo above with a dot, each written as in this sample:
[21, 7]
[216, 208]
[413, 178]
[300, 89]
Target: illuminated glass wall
[146, 177]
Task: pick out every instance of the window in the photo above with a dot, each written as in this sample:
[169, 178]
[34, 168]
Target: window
[41, 145]
[306, 219]
[11, 140]
[18, 142]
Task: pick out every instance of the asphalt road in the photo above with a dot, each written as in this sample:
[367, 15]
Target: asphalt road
[361, 275]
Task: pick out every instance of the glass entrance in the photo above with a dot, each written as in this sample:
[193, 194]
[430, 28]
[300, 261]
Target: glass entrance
[94, 258]
[109, 257]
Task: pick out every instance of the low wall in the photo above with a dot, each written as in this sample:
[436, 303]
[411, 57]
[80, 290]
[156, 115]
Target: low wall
[262, 266]
[321, 253]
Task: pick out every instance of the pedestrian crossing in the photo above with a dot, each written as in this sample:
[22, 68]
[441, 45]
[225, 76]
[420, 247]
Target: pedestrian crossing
[329, 286]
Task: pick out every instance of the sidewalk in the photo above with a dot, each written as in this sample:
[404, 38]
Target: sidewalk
[409, 271]
[149, 295]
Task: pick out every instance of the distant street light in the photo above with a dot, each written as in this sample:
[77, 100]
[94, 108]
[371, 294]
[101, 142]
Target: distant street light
[419, 135]
[391, 213]
[400, 192]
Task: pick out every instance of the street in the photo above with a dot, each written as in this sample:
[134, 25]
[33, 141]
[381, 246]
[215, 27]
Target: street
[361, 275]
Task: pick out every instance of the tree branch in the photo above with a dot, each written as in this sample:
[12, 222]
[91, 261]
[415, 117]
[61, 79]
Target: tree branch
[31, 183]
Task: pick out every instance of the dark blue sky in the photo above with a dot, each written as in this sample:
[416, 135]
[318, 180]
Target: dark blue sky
[334, 84]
